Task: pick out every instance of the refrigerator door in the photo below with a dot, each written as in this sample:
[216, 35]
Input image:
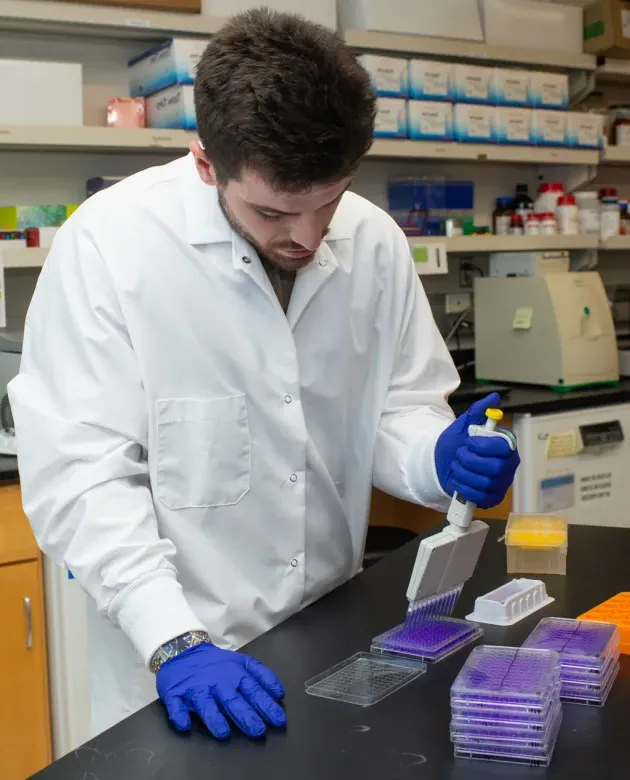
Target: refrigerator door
[575, 463]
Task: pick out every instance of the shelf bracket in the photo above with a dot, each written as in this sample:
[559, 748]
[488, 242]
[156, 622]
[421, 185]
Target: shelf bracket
[571, 176]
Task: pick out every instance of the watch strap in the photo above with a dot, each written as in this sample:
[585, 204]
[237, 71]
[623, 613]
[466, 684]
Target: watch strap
[176, 646]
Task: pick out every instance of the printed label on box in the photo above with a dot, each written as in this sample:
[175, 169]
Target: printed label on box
[429, 79]
[388, 74]
[557, 493]
[391, 118]
[430, 121]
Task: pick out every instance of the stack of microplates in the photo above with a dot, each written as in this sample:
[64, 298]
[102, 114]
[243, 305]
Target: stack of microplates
[428, 633]
[506, 706]
[589, 656]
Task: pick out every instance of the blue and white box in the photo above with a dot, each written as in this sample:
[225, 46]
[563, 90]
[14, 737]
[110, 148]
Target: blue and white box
[431, 80]
[474, 124]
[430, 120]
[549, 90]
[391, 118]
[514, 126]
[172, 108]
[549, 128]
[168, 63]
[585, 131]
[473, 84]
[510, 88]
[389, 75]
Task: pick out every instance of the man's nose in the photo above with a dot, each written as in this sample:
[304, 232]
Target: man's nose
[307, 231]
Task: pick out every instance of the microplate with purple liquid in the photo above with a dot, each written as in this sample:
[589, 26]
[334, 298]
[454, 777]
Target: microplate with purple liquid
[540, 741]
[430, 639]
[580, 643]
[506, 729]
[594, 695]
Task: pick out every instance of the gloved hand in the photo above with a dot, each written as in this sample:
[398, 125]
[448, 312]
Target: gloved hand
[480, 469]
[214, 683]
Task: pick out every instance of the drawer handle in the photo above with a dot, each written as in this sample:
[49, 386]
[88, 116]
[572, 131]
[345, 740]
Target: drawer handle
[29, 623]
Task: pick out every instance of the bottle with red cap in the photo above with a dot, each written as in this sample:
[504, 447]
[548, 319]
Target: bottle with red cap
[567, 216]
[548, 195]
[609, 212]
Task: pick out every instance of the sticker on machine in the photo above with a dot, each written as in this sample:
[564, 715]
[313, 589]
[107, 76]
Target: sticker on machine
[565, 444]
[557, 492]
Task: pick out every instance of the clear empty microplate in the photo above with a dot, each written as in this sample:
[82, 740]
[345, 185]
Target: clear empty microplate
[364, 679]
[536, 730]
[430, 639]
[532, 756]
[507, 678]
[579, 642]
[511, 602]
[540, 741]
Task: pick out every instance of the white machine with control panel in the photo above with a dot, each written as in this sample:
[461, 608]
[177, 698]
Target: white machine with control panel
[553, 329]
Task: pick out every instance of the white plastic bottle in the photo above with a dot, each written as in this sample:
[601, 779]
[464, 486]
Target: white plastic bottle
[588, 212]
[548, 195]
[567, 216]
[609, 213]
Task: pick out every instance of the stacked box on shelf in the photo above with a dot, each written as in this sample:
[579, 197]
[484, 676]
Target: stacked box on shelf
[617, 611]
[505, 705]
[589, 656]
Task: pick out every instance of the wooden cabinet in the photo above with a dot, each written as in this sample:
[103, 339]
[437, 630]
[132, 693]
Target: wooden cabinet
[24, 712]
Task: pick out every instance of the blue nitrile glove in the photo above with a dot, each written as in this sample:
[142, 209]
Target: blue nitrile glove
[480, 469]
[215, 683]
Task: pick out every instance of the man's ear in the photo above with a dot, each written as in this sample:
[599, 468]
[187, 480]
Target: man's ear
[204, 166]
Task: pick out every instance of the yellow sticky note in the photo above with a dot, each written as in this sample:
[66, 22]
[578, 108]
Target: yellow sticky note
[564, 445]
[523, 319]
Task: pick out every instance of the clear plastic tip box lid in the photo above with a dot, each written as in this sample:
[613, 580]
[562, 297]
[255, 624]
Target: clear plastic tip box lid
[579, 642]
[507, 677]
[536, 531]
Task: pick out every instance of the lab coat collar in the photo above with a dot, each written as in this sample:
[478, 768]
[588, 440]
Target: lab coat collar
[205, 222]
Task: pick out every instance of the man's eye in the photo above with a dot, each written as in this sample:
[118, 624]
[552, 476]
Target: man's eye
[270, 217]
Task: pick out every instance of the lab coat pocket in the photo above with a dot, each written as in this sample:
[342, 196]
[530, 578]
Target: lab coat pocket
[204, 451]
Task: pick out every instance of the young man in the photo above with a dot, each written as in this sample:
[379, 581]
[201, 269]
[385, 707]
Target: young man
[222, 356]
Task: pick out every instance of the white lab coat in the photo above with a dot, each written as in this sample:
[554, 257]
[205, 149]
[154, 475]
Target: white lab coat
[195, 457]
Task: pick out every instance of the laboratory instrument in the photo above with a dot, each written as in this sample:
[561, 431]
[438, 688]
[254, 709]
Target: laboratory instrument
[537, 543]
[364, 679]
[505, 705]
[575, 464]
[552, 329]
[615, 610]
[510, 603]
[589, 656]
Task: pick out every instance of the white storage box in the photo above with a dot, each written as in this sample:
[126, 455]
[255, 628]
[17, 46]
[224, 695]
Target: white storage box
[440, 19]
[511, 88]
[172, 108]
[431, 80]
[473, 83]
[321, 11]
[168, 63]
[549, 128]
[514, 126]
[533, 25]
[41, 93]
[430, 121]
[389, 75]
[391, 118]
[474, 124]
[549, 90]
[585, 131]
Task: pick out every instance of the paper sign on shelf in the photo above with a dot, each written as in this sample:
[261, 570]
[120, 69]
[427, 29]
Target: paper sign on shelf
[430, 258]
[557, 492]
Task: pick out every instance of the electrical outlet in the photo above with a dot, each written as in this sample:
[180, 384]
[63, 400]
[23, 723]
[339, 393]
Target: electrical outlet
[457, 302]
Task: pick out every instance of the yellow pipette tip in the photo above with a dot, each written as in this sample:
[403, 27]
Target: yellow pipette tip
[494, 414]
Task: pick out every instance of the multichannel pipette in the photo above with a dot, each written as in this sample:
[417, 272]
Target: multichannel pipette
[446, 560]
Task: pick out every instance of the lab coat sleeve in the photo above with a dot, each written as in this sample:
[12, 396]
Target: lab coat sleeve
[81, 425]
[416, 409]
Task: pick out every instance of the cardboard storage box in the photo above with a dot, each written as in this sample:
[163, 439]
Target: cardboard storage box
[321, 11]
[607, 28]
[172, 108]
[41, 93]
[532, 24]
[172, 62]
[181, 6]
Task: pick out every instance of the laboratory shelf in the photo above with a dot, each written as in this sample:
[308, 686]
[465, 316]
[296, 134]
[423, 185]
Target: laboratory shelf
[398, 43]
[481, 244]
[22, 258]
[94, 139]
[426, 150]
[616, 243]
[616, 155]
[37, 16]
[613, 70]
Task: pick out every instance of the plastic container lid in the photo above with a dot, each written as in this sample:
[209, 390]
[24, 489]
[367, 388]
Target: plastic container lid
[554, 186]
[580, 642]
[566, 200]
[504, 201]
[538, 531]
[586, 195]
[608, 192]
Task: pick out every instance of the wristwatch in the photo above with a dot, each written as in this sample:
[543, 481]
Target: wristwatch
[176, 646]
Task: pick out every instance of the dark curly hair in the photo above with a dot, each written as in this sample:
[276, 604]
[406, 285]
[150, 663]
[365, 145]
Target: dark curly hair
[284, 97]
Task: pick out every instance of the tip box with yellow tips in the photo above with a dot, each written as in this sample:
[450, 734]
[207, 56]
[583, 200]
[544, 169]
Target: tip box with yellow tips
[536, 544]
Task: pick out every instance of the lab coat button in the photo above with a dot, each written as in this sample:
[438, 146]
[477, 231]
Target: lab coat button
[246, 259]
[293, 477]
[322, 262]
[287, 399]
[294, 562]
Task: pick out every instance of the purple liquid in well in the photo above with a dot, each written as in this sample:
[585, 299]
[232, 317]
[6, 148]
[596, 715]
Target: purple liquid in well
[578, 642]
[534, 732]
[428, 638]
